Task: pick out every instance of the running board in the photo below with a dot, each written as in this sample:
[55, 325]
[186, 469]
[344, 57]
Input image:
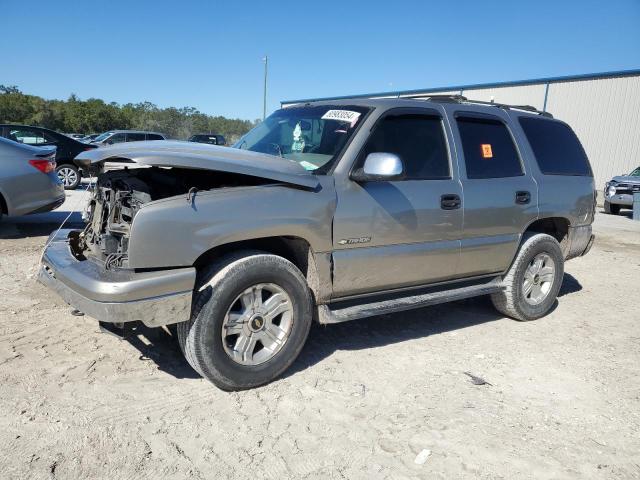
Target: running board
[335, 314]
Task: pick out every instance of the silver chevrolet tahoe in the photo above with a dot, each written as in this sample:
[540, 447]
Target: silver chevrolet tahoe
[327, 211]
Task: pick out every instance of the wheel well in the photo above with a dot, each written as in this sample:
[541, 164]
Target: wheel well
[557, 227]
[295, 249]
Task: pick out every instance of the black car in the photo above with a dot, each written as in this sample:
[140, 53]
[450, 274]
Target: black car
[67, 149]
[210, 138]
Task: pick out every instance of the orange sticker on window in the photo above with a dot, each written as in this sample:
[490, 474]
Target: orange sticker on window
[486, 150]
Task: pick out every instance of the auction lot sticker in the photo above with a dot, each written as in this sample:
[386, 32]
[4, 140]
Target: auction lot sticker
[342, 116]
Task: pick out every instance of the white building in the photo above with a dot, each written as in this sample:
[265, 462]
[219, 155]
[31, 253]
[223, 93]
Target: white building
[602, 108]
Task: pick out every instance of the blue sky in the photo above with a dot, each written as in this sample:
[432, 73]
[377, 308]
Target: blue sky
[207, 54]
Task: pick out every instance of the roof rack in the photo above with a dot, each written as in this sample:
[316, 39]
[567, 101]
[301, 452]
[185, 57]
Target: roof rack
[463, 99]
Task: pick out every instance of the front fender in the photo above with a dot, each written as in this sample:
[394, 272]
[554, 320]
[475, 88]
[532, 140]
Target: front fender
[174, 232]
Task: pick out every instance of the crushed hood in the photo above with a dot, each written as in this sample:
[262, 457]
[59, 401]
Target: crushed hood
[626, 179]
[168, 153]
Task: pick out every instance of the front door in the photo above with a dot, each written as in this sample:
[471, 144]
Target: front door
[394, 234]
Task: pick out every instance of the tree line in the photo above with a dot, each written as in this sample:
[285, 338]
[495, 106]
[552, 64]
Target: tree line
[95, 116]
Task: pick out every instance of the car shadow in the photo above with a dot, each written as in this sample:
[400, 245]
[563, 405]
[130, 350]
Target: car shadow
[160, 345]
[569, 285]
[39, 224]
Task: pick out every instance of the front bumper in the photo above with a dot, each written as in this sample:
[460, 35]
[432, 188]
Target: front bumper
[623, 199]
[154, 298]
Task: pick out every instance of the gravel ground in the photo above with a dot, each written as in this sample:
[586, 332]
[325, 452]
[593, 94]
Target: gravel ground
[364, 400]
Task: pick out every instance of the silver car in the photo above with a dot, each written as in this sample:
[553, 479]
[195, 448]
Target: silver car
[28, 180]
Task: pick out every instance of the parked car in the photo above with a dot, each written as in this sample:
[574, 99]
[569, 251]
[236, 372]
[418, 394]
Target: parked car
[66, 149]
[28, 181]
[89, 138]
[75, 136]
[211, 139]
[618, 192]
[120, 136]
[332, 211]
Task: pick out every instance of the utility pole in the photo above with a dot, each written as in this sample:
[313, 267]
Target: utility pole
[264, 99]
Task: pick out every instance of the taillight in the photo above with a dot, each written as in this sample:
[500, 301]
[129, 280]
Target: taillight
[45, 166]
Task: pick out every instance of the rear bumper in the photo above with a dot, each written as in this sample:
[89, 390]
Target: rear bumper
[580, 241]
[154, 298]
[50, 206]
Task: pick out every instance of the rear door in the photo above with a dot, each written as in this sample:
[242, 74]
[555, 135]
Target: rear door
[500, 195]
[394, 234]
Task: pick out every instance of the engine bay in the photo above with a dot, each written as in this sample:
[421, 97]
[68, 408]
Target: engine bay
[118, 196]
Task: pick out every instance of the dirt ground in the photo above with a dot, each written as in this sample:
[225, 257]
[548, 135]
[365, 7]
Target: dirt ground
[362, 402]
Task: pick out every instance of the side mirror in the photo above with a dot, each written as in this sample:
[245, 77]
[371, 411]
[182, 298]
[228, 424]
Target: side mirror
[379, 166]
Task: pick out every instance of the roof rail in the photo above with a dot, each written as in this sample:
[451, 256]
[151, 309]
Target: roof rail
[463, 99]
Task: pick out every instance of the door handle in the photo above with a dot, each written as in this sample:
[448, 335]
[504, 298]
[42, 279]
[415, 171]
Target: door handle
[450, 202]
[523, 198]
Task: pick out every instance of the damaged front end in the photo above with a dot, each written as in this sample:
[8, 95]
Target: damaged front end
[119, 195]
[116, 199]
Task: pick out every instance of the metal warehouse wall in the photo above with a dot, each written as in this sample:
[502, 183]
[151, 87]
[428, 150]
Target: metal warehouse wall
[603, 109]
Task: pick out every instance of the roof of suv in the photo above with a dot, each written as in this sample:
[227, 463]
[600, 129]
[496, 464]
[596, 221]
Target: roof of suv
[135, 131]
[420, 102]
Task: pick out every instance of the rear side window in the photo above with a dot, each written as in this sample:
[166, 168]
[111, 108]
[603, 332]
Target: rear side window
[135, 137]
[154, 136]
[418, 140]
[489, 151]
[556, 148]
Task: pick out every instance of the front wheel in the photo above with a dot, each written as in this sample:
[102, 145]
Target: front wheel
[611, 208]
[251, 317]
[533, 281]
[69, 175]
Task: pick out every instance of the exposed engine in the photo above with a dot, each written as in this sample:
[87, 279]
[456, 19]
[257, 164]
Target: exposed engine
[119, 195]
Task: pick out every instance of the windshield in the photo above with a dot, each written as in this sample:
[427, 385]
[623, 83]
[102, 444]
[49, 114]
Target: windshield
[102, 136]
[313, 136]
[635, 173]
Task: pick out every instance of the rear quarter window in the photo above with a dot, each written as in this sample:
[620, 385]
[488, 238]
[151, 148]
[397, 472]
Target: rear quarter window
[556, 147]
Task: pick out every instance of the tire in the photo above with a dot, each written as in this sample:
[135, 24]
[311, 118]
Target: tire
[220, 288]
[611, 208]
[519, 304]
[69, 175]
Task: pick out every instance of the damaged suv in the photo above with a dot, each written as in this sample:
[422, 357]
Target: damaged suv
[327, 211]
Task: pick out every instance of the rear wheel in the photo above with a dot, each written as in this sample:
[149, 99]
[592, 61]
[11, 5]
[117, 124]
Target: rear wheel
[69, 175]
[251, 317]
[611, 208]
[534, 279]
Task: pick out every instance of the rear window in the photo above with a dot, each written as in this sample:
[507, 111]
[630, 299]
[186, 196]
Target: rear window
[489, 151]
[556, 148]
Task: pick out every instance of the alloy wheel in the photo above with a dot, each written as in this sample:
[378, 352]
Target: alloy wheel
[68, 176]
[258, 324]
[538, 279]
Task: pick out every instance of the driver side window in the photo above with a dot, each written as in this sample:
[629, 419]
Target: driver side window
[418, 140]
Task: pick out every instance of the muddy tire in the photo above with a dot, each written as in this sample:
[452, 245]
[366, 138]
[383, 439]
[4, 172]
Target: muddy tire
[251, 317]
[611, 208]
[534, 279]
